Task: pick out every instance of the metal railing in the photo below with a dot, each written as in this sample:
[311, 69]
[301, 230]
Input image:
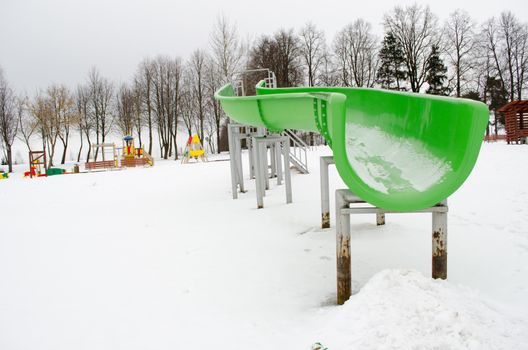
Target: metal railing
[238, 81]
[298, 151]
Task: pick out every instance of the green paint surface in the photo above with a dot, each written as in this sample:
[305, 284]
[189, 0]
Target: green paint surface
[398, 151]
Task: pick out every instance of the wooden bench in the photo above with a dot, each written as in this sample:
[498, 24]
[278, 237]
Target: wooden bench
[133, 162]
[102, 164]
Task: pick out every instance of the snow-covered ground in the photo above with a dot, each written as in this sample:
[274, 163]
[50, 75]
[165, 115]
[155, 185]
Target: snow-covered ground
[163, 258]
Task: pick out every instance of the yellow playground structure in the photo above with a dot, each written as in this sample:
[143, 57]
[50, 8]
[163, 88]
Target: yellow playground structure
[194, 149]
[134, 156]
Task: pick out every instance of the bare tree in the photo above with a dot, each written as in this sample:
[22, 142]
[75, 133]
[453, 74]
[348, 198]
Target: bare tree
[125, 110]
[144, 79]
[86, 122]
[416, 30]
[44, 110]
[27, 125]
[312, 50]
[328, 75]
[460, 44]
[507, 42]
[187, 108]
[213, 83]
[102, 99]
[197, 66]
[166, 90]
[356, 48]
[8, 119]
[64, 106]
[138, 109]
[227, 50]
[515, 51]
[281, 54]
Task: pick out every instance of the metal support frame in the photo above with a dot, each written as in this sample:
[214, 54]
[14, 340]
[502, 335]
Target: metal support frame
[324, 162]
[277, 145]
[343, 211]
[236, 133]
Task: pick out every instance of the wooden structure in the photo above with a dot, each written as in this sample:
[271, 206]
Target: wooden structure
[108, 153]
[493, 138]
[516, 121]
[37, 161]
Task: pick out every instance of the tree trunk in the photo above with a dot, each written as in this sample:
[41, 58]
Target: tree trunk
[80, 149]
[63, 159]
[9, 158]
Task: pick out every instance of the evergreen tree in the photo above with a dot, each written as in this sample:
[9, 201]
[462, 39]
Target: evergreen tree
[472, 95]
[392, 71]
[436, 73]
[496, 96]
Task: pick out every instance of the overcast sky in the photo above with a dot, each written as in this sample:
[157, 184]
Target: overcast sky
[57, 41]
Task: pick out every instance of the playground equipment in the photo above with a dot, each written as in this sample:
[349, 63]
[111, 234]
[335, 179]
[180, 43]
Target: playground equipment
[194, 149]
[396, 152]
[55, 171]
[107, 151]
[132, 156]
[37, 162]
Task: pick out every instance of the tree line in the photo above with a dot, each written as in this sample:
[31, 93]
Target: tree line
[168, 95]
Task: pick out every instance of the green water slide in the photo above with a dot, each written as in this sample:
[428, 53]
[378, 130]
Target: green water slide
[398, 151]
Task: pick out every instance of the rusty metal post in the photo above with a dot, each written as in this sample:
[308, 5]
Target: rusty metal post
[380, 219]
[344, 267]
[324, 162]
[439, 260]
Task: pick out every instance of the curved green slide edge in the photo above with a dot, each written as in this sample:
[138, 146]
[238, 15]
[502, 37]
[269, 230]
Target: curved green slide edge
[398, 151]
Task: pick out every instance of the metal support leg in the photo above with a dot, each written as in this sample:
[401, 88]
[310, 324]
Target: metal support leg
[232, 163]
[250, 144]
[278, 149]
[273, 149]
[240, 172]
[258, 175]
[287, 174]
[325, 195]
[343, 211]
[264, 164]
[439, 266]
[344, 267]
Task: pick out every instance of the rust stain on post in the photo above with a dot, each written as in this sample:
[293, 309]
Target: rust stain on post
[380, 219]
[344, 273]
[325, 220]
[439, 255]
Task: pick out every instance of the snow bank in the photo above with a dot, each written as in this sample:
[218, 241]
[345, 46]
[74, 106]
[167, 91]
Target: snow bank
[402, 309]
